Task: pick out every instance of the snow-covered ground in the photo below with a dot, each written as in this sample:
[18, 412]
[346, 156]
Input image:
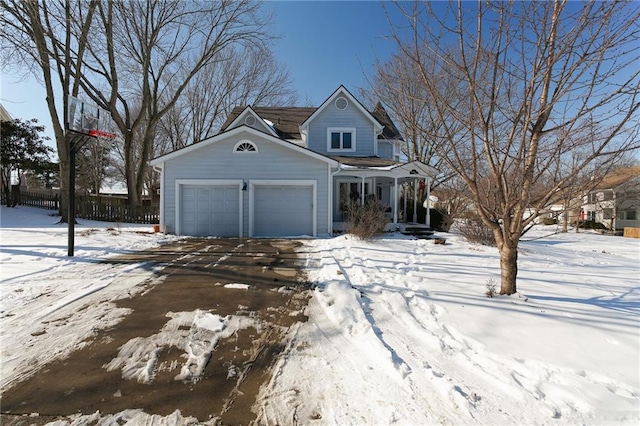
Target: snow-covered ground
[42, 289]
[400, 330]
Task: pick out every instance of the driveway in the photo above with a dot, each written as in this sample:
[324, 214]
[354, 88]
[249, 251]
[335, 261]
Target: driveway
[201, 341]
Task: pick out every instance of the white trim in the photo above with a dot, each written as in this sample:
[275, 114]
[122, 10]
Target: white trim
[208, 182]
[235, 132]
[241, 120]
[346, 105]
[162, 221]
[245, 141]
[269, 182]
[341, 130]
[330, 205]
[341, 91]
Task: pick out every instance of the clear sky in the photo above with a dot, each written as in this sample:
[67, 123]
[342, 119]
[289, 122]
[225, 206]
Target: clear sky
[329, 43]
[324, 44]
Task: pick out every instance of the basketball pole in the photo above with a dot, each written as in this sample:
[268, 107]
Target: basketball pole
[82, 132]
[73, 150]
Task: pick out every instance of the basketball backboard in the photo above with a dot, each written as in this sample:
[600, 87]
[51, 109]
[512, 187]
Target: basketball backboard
[88, 119]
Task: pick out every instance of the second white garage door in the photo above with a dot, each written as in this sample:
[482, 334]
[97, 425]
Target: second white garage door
[210, 210]
[283, 210]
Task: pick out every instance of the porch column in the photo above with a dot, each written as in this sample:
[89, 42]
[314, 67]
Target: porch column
[415, 201]
[404, 204]
[427, 220]
[395, 202]
[362, 193]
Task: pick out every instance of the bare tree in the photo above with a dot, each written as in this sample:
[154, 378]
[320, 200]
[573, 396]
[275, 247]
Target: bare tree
[50, 40]
[397, 83]
[249, 76]
[508, 82]
[154, 49]
[134, 59]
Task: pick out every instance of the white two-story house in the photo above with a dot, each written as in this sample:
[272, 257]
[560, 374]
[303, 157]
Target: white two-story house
[287, 172]
[615, 201]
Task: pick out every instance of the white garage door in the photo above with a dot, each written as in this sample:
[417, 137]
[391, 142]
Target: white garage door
[210, 211]
[283, 210]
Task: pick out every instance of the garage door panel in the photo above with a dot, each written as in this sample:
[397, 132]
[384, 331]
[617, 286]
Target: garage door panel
[210, 210]
[283, 210]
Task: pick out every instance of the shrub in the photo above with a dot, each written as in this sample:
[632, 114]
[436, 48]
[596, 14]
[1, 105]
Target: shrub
[366, 221]
[440, 220]
[550, 221]
[475, 231]
[491, 287]
[591, 224]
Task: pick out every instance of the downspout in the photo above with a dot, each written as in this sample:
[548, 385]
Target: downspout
[362, 193]
[330, 205]
[160, 169]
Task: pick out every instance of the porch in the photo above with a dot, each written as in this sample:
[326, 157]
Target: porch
[399, 187]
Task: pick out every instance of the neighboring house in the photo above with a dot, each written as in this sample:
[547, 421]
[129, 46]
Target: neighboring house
[615, 201]
[286, 171]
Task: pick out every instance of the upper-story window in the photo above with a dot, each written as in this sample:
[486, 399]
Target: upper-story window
[341, 139]
[245, 147]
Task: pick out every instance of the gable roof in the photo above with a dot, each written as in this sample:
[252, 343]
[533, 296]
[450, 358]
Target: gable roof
[390, 131]
[286, 120]
[245, 113]
[243, 128]
[342, 90]
[619, 177]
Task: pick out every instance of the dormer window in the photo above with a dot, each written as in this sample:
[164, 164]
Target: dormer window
[245, 147]
[341, 139]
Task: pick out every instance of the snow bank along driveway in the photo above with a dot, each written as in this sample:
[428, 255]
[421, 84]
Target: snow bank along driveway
[400, 332]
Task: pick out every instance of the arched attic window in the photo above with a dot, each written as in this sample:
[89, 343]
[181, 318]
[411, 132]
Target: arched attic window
[245, 147]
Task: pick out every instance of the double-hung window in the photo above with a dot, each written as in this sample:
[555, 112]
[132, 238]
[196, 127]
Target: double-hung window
[341, 139]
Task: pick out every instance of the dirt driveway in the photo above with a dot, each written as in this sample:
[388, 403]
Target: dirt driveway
[256, 281]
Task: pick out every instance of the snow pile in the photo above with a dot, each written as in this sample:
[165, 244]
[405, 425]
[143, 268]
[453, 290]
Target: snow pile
[131, 417]
[195, 333]
[400, 331]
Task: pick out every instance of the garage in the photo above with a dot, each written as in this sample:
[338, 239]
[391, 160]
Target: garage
[210, 210]
[284, 209]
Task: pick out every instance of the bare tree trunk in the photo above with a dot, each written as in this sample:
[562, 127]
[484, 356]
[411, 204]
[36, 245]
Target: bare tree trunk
[508, 268]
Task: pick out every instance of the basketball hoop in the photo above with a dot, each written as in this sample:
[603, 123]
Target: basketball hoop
[84, 122]
[101, 135]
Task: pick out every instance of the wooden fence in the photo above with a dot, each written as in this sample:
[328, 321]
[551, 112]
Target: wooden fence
[632, 232]
[114, 209]
[95, 207]
[43, 199]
